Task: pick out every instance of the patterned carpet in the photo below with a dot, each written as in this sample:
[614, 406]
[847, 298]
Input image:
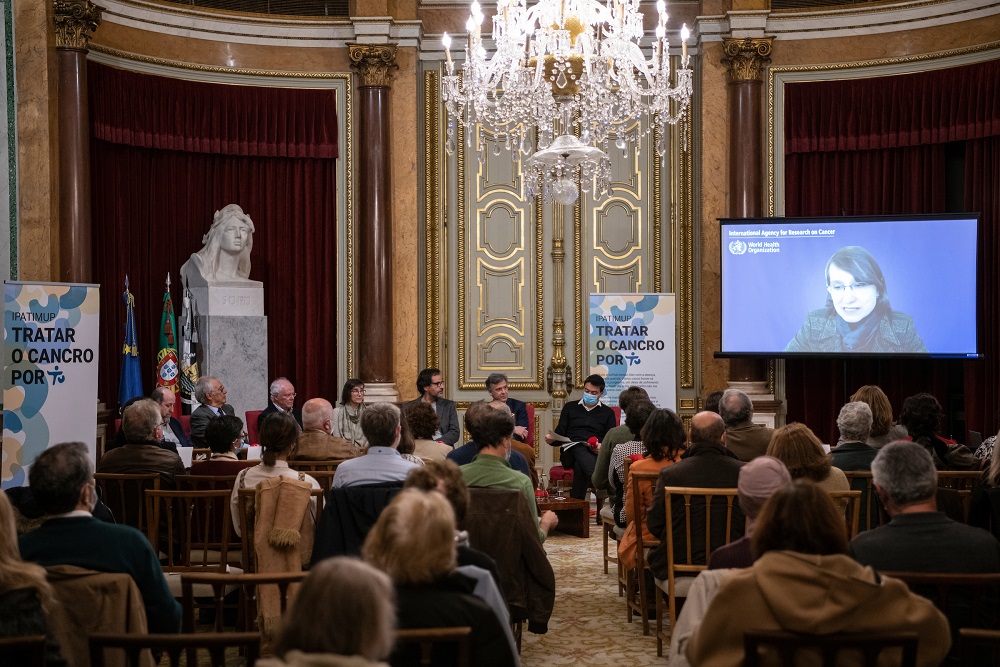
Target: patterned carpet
[588, 625]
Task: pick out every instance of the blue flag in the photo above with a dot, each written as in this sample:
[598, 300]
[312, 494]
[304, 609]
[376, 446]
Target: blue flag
[130, 385]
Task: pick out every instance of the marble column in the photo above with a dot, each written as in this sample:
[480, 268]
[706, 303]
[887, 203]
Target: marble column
[745, 61]
[75, 23]
[374, 65]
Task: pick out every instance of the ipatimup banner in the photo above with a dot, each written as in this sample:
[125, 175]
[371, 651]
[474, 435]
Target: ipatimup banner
[633, 342]
[50, 343]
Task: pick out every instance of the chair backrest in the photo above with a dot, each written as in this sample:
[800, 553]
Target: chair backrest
[324, 478]
[222, 584]
[788, 647]
[190, 528]
[954, 494]
[639, 479]
[251, 424]
[245, 502]
[303, 465]
[851, 501]
[703, 530]
[983, 644]
[136, 646]
[124, 494]
[618, 415]
[529, 439]
[28, 650]
[433, 646]
[205, 482]
[871, 515]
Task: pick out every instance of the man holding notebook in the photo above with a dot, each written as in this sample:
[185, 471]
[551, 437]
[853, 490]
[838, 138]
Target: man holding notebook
[579, 423]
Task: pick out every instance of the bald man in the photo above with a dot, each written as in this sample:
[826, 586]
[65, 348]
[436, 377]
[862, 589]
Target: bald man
[707, 463]
[315, 442]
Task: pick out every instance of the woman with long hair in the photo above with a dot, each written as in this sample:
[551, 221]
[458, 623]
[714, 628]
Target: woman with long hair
[25, 595]
[347, 417]
[800, 450]
[804, 582]
[884, 429]
[922, 415]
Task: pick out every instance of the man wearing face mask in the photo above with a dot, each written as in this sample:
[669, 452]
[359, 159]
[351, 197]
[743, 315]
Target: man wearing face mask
[580, 421]
[491, 467]
[62, 480]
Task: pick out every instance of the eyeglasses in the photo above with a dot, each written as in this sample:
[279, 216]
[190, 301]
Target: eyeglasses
[838, 290]
[438, 384]
[357, 390]
[221, 388]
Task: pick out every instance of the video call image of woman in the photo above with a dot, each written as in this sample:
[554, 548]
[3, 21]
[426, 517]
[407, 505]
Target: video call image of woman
[857, 316]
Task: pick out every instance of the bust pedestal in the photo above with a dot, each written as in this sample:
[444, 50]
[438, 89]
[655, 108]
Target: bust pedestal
[233, 331]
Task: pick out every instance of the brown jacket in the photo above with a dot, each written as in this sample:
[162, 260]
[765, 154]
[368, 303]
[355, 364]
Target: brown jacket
[748, 440]
[90, 602]
[144, 459]
[318, 446]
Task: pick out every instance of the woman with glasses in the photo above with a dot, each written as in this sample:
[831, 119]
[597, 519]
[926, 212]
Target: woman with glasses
[347, 418]
[857, 316]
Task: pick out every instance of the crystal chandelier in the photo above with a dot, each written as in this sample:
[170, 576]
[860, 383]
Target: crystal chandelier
[571, 74]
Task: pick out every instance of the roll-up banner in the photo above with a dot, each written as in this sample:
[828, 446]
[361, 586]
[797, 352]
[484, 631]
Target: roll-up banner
[50, 343]
[633, 342]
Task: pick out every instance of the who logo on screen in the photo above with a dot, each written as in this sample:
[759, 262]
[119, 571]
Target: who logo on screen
[737, 247]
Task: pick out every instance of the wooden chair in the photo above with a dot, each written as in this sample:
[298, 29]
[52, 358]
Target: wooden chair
[787, 647]
[637, 600]
[218, 586]
[199, 453]
[205, 482]
[712, 501]
[872, 513]
[28, 650]
[612, 531]
[245, 503]
[304, 465]
[135, 645]
[984, 644]
[428, 642]
[191, 529]
[324, 477]
[124, 494]
[955, 492]
[852, 510]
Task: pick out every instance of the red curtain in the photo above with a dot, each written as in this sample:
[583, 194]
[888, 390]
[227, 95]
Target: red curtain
[151, 205]
[877, 147]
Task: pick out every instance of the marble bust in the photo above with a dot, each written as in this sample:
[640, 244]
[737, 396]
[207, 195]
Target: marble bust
[225, 257]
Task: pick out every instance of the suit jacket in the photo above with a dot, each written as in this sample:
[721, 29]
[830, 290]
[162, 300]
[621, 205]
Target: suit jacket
[520, 411]
[318, 446]
[199, 420]
[271, 409]
[143, 458]
[446, 413]
[748, 440]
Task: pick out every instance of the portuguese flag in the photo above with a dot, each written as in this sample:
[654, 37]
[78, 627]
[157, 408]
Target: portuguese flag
[167, 369]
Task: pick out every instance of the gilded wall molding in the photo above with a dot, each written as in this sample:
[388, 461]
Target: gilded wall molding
[375, 63]
[75, 22]
[746, 58]
[683, 217]
[432, 216]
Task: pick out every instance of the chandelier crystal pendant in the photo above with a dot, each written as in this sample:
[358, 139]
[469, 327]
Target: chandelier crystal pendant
[571, 74]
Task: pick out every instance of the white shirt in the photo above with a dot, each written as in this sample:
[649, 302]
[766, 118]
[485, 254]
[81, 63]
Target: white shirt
[255, 475]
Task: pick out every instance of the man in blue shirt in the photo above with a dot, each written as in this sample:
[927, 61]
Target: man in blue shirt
[382, 463]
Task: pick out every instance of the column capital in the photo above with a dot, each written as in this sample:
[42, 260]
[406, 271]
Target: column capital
[75, 22]
[373, 62]
[745, 58]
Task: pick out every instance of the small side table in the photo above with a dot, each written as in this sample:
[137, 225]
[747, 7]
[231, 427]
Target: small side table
[574, 514]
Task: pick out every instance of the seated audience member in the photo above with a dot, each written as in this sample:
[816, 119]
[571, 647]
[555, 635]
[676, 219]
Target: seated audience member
[282, 400]
[705, 464]
[430, 385]
[580, 421]
[382, 462]
[615, 436]
[62, 479]
[445, 477]
[921, 415]
[407, 445]
[800, 450]
[743, 438]
[635, 420]
[759, 480]
[804, 582]
[663, 439]
[278, 435]
[852, 451]
[142, 454]
[496, 387]
[347, 417]
[464, 454]
[919, 538]
[884, 430]
[424, 423]
[316, 442]
[490, 468]
[358, 631]
[984, 511]
[224, 436]
[25, 595]
[712, 402]
[413, 542]
[173, 432]
[211, 394]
